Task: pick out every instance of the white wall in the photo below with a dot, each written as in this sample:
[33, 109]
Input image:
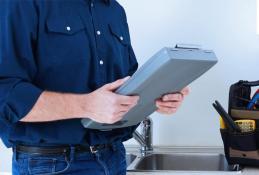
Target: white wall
[226, 26]
[5, 159]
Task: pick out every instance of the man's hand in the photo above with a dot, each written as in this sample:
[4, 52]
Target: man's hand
[104, 106]
[170, 103]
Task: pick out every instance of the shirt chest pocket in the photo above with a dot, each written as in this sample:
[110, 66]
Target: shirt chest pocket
[65, 35]
[120, 34]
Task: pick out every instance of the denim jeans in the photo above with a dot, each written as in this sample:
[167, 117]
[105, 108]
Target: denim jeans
[110, 161]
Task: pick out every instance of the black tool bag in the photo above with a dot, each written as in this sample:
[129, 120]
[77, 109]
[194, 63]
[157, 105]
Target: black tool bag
[242, 148]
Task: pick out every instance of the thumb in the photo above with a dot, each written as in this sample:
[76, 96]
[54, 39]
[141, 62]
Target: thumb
[115, 85]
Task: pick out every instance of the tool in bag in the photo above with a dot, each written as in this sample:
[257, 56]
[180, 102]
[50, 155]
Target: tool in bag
[254, 103]
[227, 119]
[246, 125]
[222, 123]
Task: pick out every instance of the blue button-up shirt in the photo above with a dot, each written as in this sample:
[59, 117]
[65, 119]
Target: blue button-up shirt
[69, 46]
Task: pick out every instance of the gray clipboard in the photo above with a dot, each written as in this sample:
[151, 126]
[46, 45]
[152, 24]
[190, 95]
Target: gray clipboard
[169, 70]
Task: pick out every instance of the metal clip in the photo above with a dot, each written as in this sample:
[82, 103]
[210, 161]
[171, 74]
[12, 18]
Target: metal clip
[188, 46]
[93, 149]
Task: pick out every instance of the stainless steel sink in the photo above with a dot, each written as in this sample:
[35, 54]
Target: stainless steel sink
[202, 162]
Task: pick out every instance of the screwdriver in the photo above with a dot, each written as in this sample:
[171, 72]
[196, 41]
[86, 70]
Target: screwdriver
[227, 119]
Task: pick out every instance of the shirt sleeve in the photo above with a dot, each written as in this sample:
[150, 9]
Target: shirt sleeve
[132, 57]
[18, 36]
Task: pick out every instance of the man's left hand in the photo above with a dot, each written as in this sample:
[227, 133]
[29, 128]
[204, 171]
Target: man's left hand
[170, 103]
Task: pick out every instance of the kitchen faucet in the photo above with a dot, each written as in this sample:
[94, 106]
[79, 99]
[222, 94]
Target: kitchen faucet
[144, 138]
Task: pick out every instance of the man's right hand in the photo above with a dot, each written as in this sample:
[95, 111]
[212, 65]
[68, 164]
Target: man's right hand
[102, 105]
[105, 106]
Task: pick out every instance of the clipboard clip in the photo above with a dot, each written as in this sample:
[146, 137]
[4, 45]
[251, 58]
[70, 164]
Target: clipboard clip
[188, 46]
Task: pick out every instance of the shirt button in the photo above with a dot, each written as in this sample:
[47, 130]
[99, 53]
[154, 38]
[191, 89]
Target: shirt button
[98, 32]
[121, 38]
[68, 28]
[101, 62]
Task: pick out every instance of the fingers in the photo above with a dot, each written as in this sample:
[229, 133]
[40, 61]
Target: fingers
[166, 110]
[127, 100]
[120, 111]
[123, 110]
[170, 104]
[177, 96]
[117, 116]
[121, 99]
[172, 97]
[126, 108]
[115, 85]
[120, 116]
[167, 107]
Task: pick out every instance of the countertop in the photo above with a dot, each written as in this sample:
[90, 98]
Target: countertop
[134, 150]
[246, 171]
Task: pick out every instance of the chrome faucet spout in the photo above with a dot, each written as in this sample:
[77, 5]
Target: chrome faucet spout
[144, 138]
[139, 138]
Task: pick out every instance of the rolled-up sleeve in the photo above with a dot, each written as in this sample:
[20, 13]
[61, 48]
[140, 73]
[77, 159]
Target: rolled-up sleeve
[18, 67]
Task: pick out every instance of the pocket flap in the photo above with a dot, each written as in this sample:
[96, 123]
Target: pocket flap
[65, 26]
[119, 34]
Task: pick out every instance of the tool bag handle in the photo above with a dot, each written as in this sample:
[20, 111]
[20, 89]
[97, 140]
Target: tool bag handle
[249, 83]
